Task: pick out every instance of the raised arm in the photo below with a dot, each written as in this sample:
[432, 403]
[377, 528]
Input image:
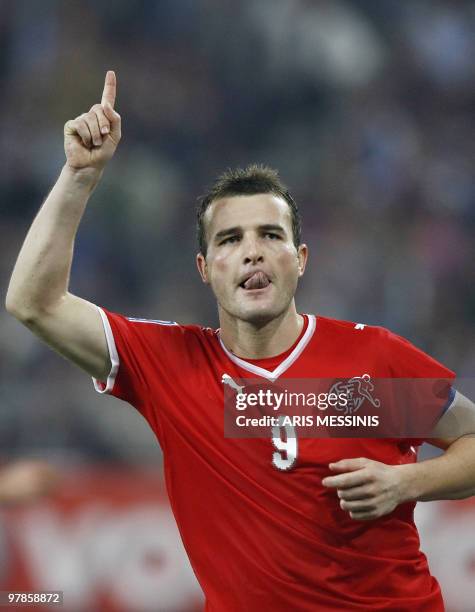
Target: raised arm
[38, 293]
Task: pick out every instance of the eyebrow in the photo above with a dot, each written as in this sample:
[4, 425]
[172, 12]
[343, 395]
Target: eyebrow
[272, 227]
[267, 227]
[229, 230]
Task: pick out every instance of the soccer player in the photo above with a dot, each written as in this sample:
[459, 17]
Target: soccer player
[322, 524]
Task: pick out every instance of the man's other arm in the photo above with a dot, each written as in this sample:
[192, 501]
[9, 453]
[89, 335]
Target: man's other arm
[38, 293]
[368, 489]
[452, 475]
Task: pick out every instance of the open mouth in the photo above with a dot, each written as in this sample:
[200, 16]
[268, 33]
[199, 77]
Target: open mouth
[257, 280]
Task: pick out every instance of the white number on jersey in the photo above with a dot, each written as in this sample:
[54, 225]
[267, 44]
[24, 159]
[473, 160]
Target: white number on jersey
[284, 438]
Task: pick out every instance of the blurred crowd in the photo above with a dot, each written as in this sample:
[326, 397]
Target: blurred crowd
[366, 108]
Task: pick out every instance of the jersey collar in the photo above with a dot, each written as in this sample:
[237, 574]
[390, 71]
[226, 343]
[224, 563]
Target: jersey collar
[285, 364]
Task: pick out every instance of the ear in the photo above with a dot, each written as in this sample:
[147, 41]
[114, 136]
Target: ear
[302, 256]
[202, 267]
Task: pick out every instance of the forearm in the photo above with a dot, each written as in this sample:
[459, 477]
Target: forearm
[450, 476]
[41, 274]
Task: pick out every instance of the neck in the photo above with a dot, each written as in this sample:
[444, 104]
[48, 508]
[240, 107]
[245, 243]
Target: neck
[258, 341]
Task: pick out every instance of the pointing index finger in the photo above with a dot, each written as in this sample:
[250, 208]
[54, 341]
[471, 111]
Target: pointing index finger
[110, 88]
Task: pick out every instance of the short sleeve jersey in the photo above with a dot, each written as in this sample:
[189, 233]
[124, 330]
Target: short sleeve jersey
[260, 538]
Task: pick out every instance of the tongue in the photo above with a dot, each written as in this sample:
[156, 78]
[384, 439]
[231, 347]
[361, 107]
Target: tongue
[257, 281]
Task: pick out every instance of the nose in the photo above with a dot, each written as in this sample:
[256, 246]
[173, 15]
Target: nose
[252, 250]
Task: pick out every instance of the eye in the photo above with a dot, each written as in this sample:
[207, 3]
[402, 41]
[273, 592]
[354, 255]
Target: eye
[272, 236]
[229, 240]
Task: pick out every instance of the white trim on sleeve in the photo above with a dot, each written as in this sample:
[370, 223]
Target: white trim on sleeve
[114, 357]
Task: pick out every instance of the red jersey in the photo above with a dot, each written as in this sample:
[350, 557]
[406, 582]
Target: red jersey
[260, 538]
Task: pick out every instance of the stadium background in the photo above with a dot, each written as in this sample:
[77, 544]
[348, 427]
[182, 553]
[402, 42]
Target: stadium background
[366, 107]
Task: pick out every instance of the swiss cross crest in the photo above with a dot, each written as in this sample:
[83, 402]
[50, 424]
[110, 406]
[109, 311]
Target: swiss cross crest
[357, 390]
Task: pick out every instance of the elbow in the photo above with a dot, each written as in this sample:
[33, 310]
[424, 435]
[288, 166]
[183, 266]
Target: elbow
[12, 300]
[27, 311]
[11, 305]
[19, 310]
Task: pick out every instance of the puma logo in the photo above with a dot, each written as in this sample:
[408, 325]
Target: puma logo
[227, 380]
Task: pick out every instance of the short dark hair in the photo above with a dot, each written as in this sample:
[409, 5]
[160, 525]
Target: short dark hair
[252, 180]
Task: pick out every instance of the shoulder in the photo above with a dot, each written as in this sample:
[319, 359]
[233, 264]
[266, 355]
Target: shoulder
[352, 329]
[159, 326]
[396, 353]
[373, 337]
[159, 330]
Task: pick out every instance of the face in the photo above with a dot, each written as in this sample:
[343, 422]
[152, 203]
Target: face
[252, 263]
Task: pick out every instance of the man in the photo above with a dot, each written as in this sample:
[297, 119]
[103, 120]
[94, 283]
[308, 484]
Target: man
[326, 525]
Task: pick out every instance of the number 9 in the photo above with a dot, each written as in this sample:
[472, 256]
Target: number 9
[284, 439]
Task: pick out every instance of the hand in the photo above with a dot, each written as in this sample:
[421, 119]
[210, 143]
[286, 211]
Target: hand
[367, 489]
[91, 139]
